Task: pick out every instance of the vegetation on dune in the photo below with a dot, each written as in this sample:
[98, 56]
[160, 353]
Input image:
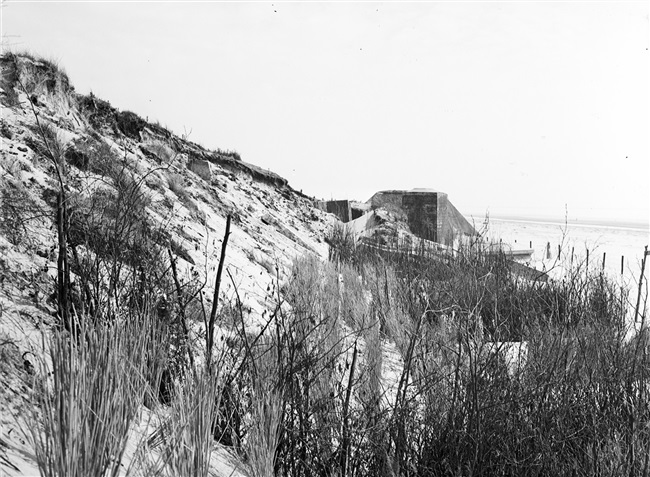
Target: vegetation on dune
[575, 404]
[32, 74]
[495, 373]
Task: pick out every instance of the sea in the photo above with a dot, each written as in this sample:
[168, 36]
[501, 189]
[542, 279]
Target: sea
[617, 249]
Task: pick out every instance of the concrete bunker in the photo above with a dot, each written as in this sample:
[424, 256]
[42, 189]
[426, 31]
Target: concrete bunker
[428, 213]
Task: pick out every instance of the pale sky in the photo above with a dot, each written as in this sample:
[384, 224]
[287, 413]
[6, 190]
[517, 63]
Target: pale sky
[515, 108]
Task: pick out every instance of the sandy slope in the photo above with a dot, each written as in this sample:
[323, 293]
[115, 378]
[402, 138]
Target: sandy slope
[271, 225]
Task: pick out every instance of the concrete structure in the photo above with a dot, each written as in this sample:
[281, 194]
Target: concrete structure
[341, 208]
[200, 168]
[359, 209]
[429, 213]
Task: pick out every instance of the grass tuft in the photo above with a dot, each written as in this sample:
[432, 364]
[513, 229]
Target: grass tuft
[88, 397]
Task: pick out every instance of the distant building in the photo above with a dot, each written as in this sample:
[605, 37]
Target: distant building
[428, 213]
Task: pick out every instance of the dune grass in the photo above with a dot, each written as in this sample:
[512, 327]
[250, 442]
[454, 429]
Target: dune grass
[88, 396]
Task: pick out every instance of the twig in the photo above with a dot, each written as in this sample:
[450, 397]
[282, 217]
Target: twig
[345, 443]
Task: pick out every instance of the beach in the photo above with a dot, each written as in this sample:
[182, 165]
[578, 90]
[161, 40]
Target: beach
[602, 240]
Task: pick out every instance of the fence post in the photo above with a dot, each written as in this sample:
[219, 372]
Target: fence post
[638, 298]
[622, 262]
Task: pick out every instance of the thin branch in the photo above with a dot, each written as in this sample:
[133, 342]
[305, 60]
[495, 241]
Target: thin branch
[215, 300]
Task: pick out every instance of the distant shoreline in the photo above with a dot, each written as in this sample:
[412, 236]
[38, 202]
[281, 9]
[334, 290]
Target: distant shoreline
[603, 223]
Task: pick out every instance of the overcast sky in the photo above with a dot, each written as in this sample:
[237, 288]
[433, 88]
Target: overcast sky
[514, 108]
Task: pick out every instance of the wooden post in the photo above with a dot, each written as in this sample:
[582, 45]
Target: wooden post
[587, 259]
[622, 263]
[572, 249]
[559, 250]
[622, 288]
[604, 256]
[531, 244]
[638, 298]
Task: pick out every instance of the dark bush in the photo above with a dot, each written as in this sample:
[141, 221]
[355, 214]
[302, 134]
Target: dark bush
[130, 124]
[77, 158]
[100, 114]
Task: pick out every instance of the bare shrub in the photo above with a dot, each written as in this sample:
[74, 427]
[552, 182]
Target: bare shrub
[130, 124]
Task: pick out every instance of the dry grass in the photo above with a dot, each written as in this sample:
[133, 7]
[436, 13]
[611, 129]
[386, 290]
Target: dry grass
[177, 186]
[264, 433]
[576, 405]
[88, 396]
[263, 436]
[185, 438]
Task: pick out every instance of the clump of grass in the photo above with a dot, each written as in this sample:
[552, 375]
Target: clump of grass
[185, 438]
[228, 153]
[177, 186]
[342, 244]
[88, 397]
[263, 434]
